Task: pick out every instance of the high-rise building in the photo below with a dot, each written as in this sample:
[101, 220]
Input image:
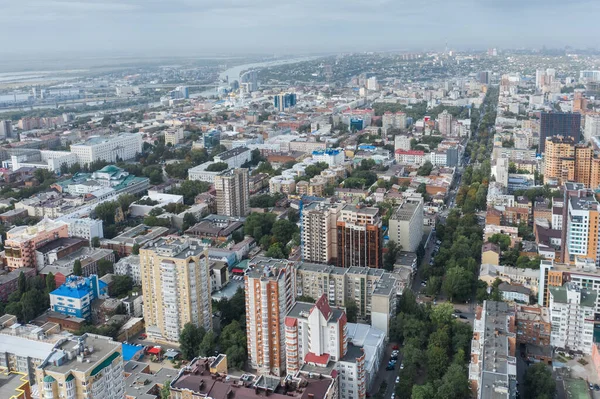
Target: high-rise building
[572, 314]
[81, 367]
[359, 237]
[22, 241]
[270, 294]
[284, 101]
[249, 80]
[540, 78]
[493, 367]
[372, 83]
[484, 77]
[566, 161]
[406, 225]
[233, 192]
[5, 129]
[176, 287]
[391, 120]
[123, 146]
[313, 331]
[319, 232]
[579, 103]
[559, 124]
[592, 126]
[373, 291]
[582, 226]
[445, 123]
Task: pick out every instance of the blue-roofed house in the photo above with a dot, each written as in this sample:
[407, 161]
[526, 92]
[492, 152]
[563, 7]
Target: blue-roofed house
[75, 296]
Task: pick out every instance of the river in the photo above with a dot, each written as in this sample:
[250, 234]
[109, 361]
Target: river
[234, 72]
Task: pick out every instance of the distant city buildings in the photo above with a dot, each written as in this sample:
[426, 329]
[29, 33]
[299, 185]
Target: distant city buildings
[558, 124]
[123, 146]
[283, 102]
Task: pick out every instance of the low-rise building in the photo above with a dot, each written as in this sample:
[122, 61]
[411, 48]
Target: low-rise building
[129, 266]
[75, 296]
[514, 293]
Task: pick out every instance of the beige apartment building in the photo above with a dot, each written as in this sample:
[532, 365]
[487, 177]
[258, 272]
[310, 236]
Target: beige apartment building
[176, 286]
[233, 192]
[319, 234]
[406, 225]
[373, 290]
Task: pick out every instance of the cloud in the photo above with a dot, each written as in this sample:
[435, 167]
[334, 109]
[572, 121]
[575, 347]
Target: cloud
[196, 26]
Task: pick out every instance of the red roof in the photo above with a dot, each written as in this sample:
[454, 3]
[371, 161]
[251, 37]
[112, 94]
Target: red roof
[154, 351]
[323, 306]
[318, 360]
[290, 321]
[410, 152]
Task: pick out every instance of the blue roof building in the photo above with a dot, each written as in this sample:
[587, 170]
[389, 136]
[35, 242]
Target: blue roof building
[75, 296]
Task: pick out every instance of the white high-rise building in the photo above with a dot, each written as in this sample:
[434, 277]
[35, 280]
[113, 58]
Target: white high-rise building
[406, 225]
[445, 123]
[5, 129]
[123, 146]
[572, 317]
[592, 126]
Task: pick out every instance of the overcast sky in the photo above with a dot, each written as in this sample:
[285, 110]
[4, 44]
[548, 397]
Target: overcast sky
[196, 27]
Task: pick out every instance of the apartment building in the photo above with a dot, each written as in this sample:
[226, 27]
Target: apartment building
[75, 296]
[493, 366]
[359, 237]
[122, 146]
[582, 226]
[174, 136]
[314, 332]
[235, 157]
[372, 290]
[22, 241]
[319, 232]
[129, 266]
[592, 126]
[282, 184]
[270, 294]
[176, 287]
[233, 194]
[331, 156]
[565, 161]
[81, 367]
[572, 312]
[406, 225]
[533, 325]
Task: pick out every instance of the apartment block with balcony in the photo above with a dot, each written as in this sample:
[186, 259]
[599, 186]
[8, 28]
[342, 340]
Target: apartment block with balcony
[90, 366]
[572, 316]
[175, 275]
[359, 237]
[319, 232]
[406, 225]
[270, 294]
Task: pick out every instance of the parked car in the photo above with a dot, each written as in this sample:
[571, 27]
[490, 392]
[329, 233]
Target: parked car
[462, 316]
[395, 347]
[401, 366]
[398, 380]
[457, 311]
[388, 367]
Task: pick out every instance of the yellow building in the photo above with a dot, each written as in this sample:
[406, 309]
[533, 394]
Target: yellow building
[176, 286]
[90, 366]
[14, 385]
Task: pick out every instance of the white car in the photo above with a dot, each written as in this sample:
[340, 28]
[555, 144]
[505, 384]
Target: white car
[401, 366]
[398, 380]
[393, 395]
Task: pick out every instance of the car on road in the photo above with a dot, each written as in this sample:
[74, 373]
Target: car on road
[398, 380]
[462, 316]
[401, 366]
[389, 367]
[395, 347]
[393, 395]
[596, 387]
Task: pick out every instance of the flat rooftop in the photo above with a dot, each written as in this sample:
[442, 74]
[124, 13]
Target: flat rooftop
[10, 382]
[59, 362]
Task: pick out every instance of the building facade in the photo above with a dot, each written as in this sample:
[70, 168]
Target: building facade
[75, 296]
[270, 294]
[176, 287]
[233, 194]
[319, 232]
[359, 237]
[559, 124]
[123, 146]
[406, 225]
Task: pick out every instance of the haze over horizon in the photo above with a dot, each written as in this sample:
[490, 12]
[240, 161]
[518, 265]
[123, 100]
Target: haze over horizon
[181, 27]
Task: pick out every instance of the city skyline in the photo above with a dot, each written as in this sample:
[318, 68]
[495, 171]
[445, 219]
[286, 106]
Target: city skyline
[259, 27]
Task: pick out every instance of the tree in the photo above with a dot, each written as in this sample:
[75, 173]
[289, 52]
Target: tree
[121, 285]
[283, 230]
[95, 242]
[189, 339]
[539, 383]
[390, 256]
[425, 169]
[437, 362]
[441, 314]
[189, 220]
[105, 267]
[275, 251]
[135, 250]
[165, 391]
[426, 391]
[305, 298]
[457, 284]
[208, 344]
[22, 283]
[236, 356]
[217, 167]
[502, 240]
[77, 268]
[351, 311]
[454, 384]
[50, 282]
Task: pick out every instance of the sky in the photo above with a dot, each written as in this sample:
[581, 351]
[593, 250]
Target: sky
[229, 27]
